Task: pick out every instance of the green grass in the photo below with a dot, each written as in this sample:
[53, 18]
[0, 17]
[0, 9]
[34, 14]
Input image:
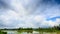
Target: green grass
[3, 32]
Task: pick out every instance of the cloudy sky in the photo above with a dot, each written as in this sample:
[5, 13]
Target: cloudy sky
[29, 13]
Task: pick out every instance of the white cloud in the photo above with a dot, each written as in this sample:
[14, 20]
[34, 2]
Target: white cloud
[39, 18]
[25, 13]
[8, 16]
[51, 23]
[58, 20]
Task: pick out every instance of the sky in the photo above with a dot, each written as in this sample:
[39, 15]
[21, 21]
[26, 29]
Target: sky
[29, 13]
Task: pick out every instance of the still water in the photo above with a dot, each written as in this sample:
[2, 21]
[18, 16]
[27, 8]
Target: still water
[34, 32]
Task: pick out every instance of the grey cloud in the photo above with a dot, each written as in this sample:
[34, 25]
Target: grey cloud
[3, 4]
[46, 7]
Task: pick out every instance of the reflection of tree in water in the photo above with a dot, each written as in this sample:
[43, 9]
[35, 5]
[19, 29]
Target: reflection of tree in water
[28, 31]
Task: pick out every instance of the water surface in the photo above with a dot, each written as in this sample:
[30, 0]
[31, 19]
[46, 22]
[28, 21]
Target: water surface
[26, 32]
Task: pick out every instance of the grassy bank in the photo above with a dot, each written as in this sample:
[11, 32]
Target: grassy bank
[3, 32]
